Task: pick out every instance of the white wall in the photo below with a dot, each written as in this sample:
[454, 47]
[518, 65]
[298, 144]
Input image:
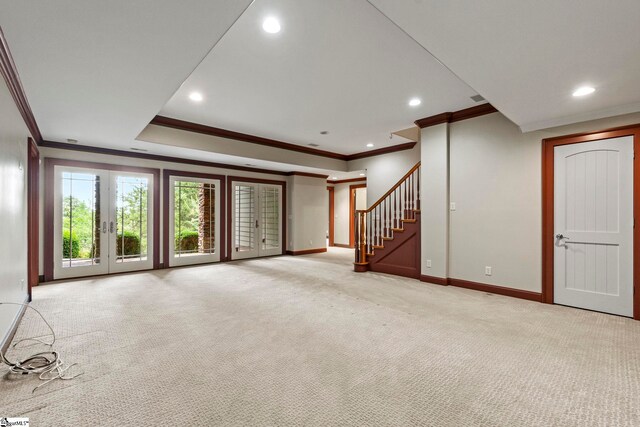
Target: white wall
[385, 170]
[495, 182]
[13, 211]
[434, 200]
[341, 214]
[361, 199]
[309, 201]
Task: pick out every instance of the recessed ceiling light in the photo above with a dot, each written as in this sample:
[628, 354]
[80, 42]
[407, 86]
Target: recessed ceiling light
[196, 96]
[370, 145]
[362, 174]
[414, 102]
[271, 25]
[584, 90]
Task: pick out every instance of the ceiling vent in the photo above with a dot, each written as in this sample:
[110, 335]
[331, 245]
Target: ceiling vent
[313, 145]
[477, 98]
[139, 149]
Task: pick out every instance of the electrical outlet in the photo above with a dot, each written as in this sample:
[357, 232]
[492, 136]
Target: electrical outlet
[487, 271]
[452, 206]
[428, 263]
[310, 242]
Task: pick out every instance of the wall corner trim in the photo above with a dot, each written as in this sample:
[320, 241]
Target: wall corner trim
[483, 287]
[500, 290]
[456, 116]
[307, 251]
[12, 78]
[442, 281]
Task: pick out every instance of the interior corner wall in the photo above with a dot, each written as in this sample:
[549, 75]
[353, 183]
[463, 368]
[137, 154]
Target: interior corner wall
[385, 170]
[495, 182]
[434, 200]
[13, 211]
[308, 215]
[341, 213]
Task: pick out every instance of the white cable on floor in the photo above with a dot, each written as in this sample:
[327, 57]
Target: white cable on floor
[43, 364]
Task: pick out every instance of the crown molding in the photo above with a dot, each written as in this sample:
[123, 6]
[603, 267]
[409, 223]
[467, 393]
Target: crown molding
[380, 151]
[307, 174]
[456, 116]
[157, 157]
[238, 136]
[12, 78]
[343, 181]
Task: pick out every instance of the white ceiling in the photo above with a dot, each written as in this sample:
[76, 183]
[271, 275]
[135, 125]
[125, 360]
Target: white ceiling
[336, 65]
[98, 71]
[527, 57]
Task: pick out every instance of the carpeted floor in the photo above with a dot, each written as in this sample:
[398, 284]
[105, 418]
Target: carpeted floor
[305, 341]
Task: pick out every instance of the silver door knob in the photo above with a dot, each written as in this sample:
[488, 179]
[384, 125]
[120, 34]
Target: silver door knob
[560, 236]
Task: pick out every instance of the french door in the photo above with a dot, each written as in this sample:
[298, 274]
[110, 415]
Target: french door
[194, 220]
[593, 220]
[256, 227]
[102, 221]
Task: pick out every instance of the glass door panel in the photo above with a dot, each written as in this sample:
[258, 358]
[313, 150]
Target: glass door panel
[80, 237]
[194, 230]
[270, 201]
[102, 222]
[256, 221]
[131, 220]
[245, 221]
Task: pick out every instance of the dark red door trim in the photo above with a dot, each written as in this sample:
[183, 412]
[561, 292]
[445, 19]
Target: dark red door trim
[166, 175]
[33, 214]
[49, 203]
[331, 215]
[548, 146]
[352, 210]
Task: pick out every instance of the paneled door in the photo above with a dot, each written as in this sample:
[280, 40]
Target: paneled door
[256, 228]
[194, 224]
[593, 220]
[102, 222]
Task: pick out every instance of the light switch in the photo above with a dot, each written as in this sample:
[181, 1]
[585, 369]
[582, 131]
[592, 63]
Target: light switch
[453, 206]
[487, 271]
[428, 263]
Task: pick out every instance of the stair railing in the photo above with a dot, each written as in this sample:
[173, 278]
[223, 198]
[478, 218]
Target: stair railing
[376, 224]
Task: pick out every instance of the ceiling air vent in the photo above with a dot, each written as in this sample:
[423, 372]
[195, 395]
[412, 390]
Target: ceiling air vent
[313, 145]
[477, 98]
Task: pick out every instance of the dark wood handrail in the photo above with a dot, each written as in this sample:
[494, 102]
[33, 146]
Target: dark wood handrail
[412, 170]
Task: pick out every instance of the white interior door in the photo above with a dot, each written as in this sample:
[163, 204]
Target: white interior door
[256, 220]
[102, 222]
[593, 221]
[194, 226]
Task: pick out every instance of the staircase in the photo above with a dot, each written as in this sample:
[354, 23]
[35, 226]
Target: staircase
[387, 235]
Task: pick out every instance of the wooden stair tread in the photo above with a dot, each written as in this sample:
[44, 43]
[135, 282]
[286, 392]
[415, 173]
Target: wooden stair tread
[409, 220]
[378, 246]
[397, 229]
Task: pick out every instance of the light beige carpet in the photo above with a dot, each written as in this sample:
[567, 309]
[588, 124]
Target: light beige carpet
[305, 341]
